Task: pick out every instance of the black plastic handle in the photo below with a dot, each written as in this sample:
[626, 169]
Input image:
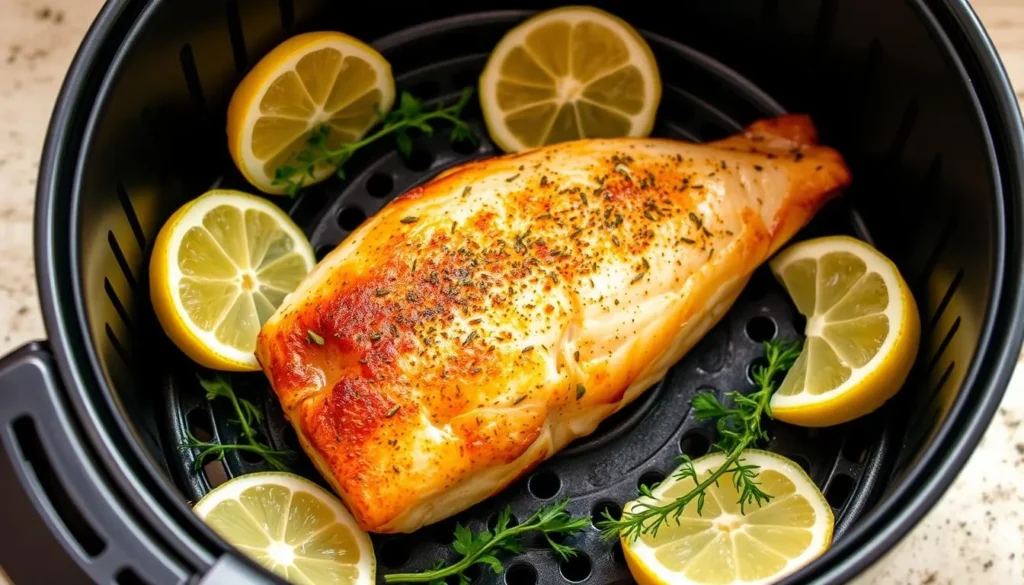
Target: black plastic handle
[63, 521]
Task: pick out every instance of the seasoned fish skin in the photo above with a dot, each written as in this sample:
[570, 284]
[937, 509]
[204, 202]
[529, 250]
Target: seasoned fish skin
[480, 322]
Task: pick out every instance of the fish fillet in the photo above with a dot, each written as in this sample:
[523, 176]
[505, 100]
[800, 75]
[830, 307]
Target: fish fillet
[479, 323]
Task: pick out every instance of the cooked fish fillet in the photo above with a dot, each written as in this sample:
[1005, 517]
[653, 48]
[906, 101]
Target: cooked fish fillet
[482, 321]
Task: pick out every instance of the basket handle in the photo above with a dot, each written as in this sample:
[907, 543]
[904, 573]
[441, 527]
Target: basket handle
[66, 523]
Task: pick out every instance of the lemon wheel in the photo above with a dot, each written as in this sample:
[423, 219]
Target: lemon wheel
[292, 527]
[569, 73]
[221, 266]
[724, 544]
[312, 81]
[862, 331]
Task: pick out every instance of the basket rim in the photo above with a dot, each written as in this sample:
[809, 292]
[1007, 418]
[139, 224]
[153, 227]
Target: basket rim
[156, 502]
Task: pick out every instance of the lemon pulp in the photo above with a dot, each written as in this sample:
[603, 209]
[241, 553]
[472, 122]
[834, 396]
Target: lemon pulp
[566, 74]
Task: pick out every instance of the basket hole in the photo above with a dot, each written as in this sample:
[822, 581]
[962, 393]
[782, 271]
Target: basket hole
[351, 217]
[200, 425]
[650, 479]
[839, 490]
[492, 522]
[394, 553]
[694, 445]
[755, 364]
[576, 569]
[618, 557]
[802, 461]
[419, 160]
[426, 90]
[857, 446]
[323, 251]
[544, 485]
[380, 185]
[521, 574]
[761, 329]
[598, 513]
[709, 131]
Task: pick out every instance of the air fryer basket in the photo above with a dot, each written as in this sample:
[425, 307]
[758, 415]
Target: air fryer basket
[91, 423]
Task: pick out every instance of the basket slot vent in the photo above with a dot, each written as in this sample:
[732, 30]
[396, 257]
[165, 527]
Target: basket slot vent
[950, 291]
[802, 462]
[126, 576]
[942, 380]
[119, 348]
[34, 453]
[824, 27]
[906, 126]
[236, 35]
[195, 88]
[133, 218]
[940, 246]
[118, 305]
[287, 13]
[839, 490]
[122, 262]
[945, 343]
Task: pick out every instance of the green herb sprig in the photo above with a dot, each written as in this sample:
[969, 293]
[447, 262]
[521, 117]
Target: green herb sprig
[483, 547]
[409, 114]
[738, 427]
[248, 417]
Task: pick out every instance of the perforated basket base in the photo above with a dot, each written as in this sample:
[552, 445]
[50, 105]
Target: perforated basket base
[702, 100]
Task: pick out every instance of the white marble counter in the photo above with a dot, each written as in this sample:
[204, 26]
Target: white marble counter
[974, 535]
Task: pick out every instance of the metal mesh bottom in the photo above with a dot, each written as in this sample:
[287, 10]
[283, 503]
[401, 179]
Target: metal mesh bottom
[702, 100]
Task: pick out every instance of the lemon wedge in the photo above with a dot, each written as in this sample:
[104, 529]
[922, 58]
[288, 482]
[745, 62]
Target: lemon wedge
[863, 330]
[292, 527]
[569, 73]
[221, 266]
[311, 81]
[724, 545]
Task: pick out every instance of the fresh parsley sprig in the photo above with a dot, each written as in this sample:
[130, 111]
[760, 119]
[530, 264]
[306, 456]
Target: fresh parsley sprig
[483, 547]
[409, 114]
[248, 416]
[738, 427]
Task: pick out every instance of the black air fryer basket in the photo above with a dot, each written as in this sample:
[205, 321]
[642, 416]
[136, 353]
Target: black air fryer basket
[92, 482]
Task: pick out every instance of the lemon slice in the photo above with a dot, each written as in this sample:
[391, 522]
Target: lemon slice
[569, 73]
[862, 331]
[292, 527]
[310, 81]
[221, 266]
[722, 544]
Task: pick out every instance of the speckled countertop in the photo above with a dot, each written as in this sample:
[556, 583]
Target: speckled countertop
[974, 535]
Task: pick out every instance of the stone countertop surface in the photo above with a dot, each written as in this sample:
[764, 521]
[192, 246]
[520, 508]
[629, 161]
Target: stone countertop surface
[974, 535]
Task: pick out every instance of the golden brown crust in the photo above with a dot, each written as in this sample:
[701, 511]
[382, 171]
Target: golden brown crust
[480, 322]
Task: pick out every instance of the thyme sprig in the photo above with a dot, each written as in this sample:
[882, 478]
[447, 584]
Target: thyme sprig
[409, 114]
[483, 547]
[248, 416]
[738, 427]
